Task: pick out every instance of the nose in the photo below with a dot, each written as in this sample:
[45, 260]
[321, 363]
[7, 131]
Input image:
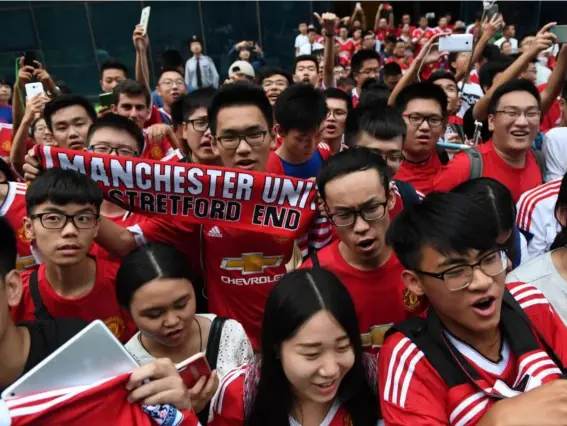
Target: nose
[132, 114]
[69, 230]
[424, 125]
[171, 319]
[521, 120]
[360, 226]
[480, 281]
[329, 366]
[243, 148]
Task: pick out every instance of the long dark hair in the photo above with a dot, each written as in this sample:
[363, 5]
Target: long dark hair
[561, 211]
[294, 300]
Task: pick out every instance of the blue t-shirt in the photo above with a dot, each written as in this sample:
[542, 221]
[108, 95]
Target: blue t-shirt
[306, 170]
[6, 113]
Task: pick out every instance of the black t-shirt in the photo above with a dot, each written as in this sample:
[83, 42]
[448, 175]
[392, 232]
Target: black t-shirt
[48, 336]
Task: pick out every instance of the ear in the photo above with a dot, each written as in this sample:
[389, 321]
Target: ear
[28, 228]
[412, 282]
[491, 122]
[13, 285]
[272, 133]
[113, 108]
[391, 199]
[184, 130]
[561, 216]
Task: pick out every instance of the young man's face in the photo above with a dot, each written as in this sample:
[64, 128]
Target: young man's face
[306, 72]
[363, 239]
[133, 107]
[406, 20]
[171, 87]
[510, 32]
[301, 144]
[237, 121]
[400, 50]
[70, 126]
[450, 89]
[115, 142]
[303, 28]
[338, 72]
[369, 69]
[196, 48]
[461, 310]
[443, 23]
[389, 149]
[383, 24]
[369, 42]
[61, 243]
[423, 22]
[515, 124]
[110, 78]
[5, 93]
[530, 73]
[422, 138]
[198, 135]
[274, 86]
[392, 80]
[343, 33]
[334, 125]
[311, 35]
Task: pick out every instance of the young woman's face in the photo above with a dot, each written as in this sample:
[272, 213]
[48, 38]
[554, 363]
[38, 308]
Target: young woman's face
[42, 135]
[316, 358]
[164, 309]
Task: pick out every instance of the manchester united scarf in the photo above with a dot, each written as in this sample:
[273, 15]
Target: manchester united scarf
[258, 202]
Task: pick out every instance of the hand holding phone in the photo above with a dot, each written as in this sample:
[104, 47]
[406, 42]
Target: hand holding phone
[33, 89]
[560, 32]
[145, 18]
[106, 99]
[29, 59]
[193, 368]
[456, 43]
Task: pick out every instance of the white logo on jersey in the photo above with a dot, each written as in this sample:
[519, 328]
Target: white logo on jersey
[215, 232]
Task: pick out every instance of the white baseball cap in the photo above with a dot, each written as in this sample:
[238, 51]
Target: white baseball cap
[241, 67]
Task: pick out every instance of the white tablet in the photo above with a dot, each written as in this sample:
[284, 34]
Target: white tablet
[94, 354]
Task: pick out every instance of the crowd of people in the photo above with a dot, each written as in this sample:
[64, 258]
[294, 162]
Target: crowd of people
[424, 286]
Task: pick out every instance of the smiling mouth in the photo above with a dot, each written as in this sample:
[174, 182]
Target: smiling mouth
[519, 134]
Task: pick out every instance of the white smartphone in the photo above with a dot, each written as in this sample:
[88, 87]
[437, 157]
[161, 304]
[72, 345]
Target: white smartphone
[456, 43]
[145, 19]
[33, 89]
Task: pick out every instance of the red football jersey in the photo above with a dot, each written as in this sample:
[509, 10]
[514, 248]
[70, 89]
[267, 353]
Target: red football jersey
[13, 209]
[228, 404]
[413, 393]
[517, 180]
[380, 297]
[6, 136]
[154, 118]
[404, 63]
[553, 117]
[420, 175]
[99, 303]
[154, 151]
[103, 403]
[346, 50]
[381, 34]
[416, 35]
[439, 30]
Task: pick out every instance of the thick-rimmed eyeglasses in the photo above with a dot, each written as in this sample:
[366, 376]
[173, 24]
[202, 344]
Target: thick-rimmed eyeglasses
[59, 220]
[199, 124]
[120, 151]
[418, 119]
[252, 139]
[461, 276]
[369, 214]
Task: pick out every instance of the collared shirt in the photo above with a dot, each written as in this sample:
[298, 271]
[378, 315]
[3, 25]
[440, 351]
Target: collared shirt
[209, 74]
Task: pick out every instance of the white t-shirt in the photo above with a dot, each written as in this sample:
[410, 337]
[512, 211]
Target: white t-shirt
[306, 49]
[300, 40]
[471, 94]
[555, 151]
[542, 73]
[513, 43]
[542, 274]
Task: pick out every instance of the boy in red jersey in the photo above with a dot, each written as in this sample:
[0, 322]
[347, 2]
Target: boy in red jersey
[354, 185]
[482, 341]
[63, 209]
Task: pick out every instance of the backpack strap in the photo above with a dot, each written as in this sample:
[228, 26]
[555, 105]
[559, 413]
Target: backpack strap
[408, 193]
[40, 311]
[476, 162]
[540, 159]
[442, 154]
[315, 259]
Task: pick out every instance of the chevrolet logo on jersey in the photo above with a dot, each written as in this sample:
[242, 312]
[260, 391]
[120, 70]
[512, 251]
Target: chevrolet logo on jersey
[251, 263]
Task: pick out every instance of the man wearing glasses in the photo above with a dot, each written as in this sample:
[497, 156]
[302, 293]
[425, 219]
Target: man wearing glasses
[424, 109]
[365, 64]
[486, 353]
[514, 118]
[63, 214]
[354, 186]
[170, 87]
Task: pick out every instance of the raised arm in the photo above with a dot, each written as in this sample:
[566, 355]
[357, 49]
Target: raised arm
[377, 17]
[115, 239]
[556, 81]
[329, 22]
[141, 43]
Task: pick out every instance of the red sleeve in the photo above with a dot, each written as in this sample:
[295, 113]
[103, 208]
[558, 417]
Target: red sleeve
[22, 311]
[306, 264]
[411, 392]
[180, 234]
[155, 117]
[227, 406]
[274, 164]
[543, 316]
[453, 173]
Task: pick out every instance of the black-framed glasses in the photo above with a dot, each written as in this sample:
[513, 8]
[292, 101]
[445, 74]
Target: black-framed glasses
[371, 71]
[199, 124]
[514, 114]
[120, 151]
[51, 220]
[252, 139]
[461, 276]
[337, 113]
[170, 83]
[369, 214]
[418, 119]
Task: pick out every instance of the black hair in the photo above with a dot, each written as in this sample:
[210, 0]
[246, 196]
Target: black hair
[517, 85]
[293, 301]
[489, 70]
[200, 98]
[8, 250]
[390, 38]
[267, 72]
[61, 187]
[66, 101]
[7, 171]
[352, 160]
[117, 122]
[145, 264]
[131, 88]
[424, 90]
[171, 58]
[491, 52]
[302, 58]
[360, 57]
[564, 92]
[240, 93]
[381, 122]
[374, 93]
[497, 198]
[334, 93]
[392, 69]
[169, 69]
[300, 106]
[63, 87]
[113, 64]
[446, 221]
[343, 81]
[442, 75]
[561, 210]
[311, 30]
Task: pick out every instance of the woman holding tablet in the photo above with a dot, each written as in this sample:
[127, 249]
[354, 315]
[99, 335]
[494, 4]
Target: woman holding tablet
[311, 370]
[154, 284]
